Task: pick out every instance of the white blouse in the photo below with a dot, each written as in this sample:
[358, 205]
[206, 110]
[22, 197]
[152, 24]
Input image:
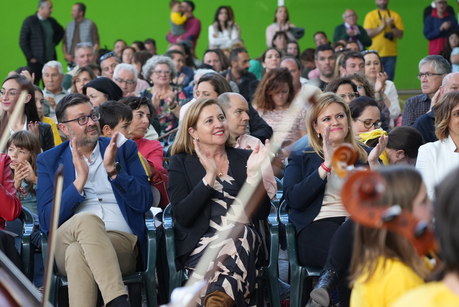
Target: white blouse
[435, 160]
[392, 95]
[225, 39]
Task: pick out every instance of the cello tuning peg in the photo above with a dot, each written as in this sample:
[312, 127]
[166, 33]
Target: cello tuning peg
[391, 213]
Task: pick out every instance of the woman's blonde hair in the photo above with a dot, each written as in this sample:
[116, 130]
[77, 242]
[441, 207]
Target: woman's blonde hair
[183, 141]
[443, 114]
[316, 141]
[402, 186]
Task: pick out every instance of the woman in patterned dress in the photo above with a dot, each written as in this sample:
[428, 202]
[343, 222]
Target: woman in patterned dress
[206, 174]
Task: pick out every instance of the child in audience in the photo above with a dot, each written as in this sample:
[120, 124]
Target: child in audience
[443, 293]
[23, 148]
[178, 18]
[384, 264]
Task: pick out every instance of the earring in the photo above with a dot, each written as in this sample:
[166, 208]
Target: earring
[197, 139]
[318, 135]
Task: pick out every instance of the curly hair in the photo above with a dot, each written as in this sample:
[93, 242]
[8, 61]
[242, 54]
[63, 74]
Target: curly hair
[154, 61]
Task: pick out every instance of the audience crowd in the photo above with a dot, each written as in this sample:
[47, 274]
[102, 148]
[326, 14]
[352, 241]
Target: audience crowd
[136, 129]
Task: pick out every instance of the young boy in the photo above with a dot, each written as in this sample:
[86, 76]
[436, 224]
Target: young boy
[178, 18]
[114, 117]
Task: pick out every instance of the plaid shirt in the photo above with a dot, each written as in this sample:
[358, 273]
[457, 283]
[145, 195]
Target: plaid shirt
[414, 108]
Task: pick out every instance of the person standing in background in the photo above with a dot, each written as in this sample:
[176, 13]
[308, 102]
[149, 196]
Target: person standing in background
[438, 25]
[385, 27]
[80, 30]
[351, 31]
[40, 33]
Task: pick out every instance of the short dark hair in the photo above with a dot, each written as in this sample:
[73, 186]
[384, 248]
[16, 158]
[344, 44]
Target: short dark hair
[407, 139]
[359, 104]
[320, 32]
[334, 84]
[322, 48]
[351, 55]
[150, 41]
[81, 7]
[136, 102]
[68, 101]
[234, 54]
[223, 58]
[190, 3]
[219, 83]
[112, 112]
[446, 212]
[171, 53]
[307, 55]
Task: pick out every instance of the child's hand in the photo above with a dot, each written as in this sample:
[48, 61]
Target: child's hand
[29, 172]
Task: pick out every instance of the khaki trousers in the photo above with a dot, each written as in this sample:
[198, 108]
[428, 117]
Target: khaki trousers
[92, 257]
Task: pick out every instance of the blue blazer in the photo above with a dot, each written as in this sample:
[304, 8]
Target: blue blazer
[303, 188]
[131, 187]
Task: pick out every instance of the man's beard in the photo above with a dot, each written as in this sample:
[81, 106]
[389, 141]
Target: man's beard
[88, 141]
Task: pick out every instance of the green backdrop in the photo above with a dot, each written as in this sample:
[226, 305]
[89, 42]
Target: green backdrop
[139, 19]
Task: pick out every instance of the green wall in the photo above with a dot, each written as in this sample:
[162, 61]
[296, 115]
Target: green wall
[139, 19]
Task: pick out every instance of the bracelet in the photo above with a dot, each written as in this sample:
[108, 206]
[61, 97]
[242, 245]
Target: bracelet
[325, 168]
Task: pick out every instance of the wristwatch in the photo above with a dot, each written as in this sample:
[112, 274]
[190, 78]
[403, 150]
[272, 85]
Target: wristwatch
[115, 171]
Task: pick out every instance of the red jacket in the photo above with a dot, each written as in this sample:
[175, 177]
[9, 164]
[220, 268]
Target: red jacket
[10, 205]
[152, 151]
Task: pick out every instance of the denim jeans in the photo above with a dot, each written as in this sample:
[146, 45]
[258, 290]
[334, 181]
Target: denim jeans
[388, 63]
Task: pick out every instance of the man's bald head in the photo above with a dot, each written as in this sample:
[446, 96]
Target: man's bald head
[236, 110]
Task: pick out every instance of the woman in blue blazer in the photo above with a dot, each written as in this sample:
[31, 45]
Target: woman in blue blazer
[311, 188]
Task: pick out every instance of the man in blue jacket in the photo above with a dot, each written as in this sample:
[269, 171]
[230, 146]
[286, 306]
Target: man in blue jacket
[105, 196]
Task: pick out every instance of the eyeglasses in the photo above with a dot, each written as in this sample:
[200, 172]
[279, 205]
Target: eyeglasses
[349, 95]
[12, 93]
[363, 52]
[428, 74]
[83, 120]
[107, 56]
[368, 123]
[128, 82]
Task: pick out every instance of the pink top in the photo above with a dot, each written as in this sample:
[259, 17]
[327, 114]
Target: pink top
[269, 182]
[289, 127]
[275, 27]
[152, 151]
[192, 31]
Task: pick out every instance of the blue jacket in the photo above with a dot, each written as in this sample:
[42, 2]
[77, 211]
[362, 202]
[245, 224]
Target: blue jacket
[303, 188]
[131, 187]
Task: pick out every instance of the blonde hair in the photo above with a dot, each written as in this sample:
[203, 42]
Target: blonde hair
[402, 186]
[443, 114]
[183, 141]
[324, 101]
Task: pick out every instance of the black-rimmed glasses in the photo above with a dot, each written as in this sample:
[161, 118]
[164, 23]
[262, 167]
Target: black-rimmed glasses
[83, 120]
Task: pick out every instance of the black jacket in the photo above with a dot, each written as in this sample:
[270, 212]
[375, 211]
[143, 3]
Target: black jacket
[190, 197]
[32, 40]
[46, 136]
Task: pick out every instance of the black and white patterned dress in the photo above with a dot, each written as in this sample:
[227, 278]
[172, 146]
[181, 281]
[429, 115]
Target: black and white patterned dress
[235, 269]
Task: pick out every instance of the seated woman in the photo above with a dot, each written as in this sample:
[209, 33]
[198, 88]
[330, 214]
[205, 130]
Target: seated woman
[446, 212]
[311, 188]
[29, 119]
[40, 103]
[151, 150]
[82, 76]
[211, 85]
[385, 90]
[437, 159]
[280, 41]
[272, 100]
[384, 264]
[343, 87]
[402, 148]
[205, 176]
[366, 120]
[102, 89]
[270, 59]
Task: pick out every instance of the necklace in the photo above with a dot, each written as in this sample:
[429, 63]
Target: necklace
[222, 169]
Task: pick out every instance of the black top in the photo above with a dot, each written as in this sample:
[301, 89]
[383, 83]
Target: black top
[32, 38]
[190, 197]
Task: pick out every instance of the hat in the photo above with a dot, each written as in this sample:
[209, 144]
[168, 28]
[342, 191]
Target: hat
[106, 86]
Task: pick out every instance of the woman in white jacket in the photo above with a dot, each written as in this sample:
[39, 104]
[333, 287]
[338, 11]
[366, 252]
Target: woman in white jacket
[224, 33]
[437, 159]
